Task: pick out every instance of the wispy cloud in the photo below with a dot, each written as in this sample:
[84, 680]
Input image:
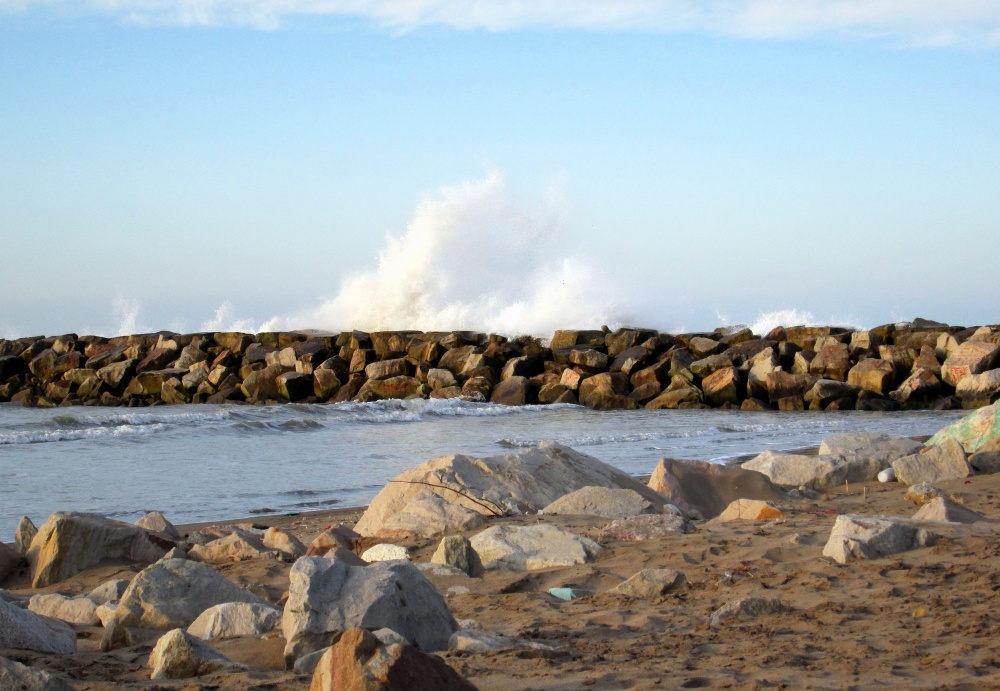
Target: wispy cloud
[930, 22]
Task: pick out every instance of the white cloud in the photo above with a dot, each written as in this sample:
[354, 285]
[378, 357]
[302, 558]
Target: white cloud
[931, 22]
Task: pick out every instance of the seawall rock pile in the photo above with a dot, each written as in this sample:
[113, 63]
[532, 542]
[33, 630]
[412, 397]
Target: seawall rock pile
[920, 364]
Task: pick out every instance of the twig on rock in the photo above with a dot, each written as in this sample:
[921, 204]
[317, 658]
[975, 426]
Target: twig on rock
[479, 502]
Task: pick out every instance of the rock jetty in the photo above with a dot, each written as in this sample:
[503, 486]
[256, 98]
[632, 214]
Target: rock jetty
[919, 364]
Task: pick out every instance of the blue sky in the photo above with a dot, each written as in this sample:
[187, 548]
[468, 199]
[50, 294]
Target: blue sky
[673, 167]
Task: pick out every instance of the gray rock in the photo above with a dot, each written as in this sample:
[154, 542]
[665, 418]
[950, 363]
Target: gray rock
[474, 641]
[108, 591]
[25, 630]
[427, 514]
[326, 596]
[307, 663]
[923, 492]
[11, 560]
[646, 527]
[978, 390]
[986, 459]
[172, 593]
[68, 543]
[24, 534]
[526, 548]
[651, 583]
[745, 608]
[235, 619]
[513, 483]
[871, 537]
[606, 502]
[286, 543]
[883, 448]
[796, 470]
[72, 610]
[179, 655]
[237, 546]
[457, 551]
[14, 675]
[944, 509]
[946, 461]
[155, 522]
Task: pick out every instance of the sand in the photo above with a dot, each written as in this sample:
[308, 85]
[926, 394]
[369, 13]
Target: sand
[921, 619]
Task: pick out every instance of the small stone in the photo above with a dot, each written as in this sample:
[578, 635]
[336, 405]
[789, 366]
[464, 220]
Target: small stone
[871, 537]
[750, 510]
[922, 492]
[478, 642]
[745, 608]
[651, 583]
[155, 522]
[457, 551]
[943, 509]
[385, 552]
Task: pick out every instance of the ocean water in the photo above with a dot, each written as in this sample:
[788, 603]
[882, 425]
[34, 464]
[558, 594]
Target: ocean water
[200, 463]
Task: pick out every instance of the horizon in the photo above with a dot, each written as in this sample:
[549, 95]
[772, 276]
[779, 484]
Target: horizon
[172, 166]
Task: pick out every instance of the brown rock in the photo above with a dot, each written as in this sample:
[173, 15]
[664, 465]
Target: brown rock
[786, 385]
[723, 386]
[514, 391]
[358, 661]
[750, 510]
[708, 488]
[873, 375]
[831, 362]
[972, 357]
[393, 387]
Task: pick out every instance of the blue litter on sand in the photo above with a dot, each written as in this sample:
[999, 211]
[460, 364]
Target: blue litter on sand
[562, 593]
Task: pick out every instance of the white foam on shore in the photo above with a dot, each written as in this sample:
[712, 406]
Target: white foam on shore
[41, 437]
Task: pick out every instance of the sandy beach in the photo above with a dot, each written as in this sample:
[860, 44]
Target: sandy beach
[919, 619]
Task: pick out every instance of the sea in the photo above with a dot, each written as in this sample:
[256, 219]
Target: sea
[201, 462]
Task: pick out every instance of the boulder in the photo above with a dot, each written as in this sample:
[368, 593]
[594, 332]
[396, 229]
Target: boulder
[72, 610]
[922, 492]
[391, 388]
[24, 630]
[179, 655]
[523, 482]
[359, 661]
[262, 384]
[782, 385]
[797, 470]
[873, 375]
[235, 619]
[438, 378]
[745, 608]
[750, 510]
[527, 548]
[883, 448]
[108, 591]
[705, 489]
[174, 592]
[15, 676]
[986, 459]
[24, 534]
[603, 501]
[946, 461]
[327, 596]
[457, 551]
[514, 391]
[978, 390]
[944, 509]
[831, 362]
[723, 386]
[385, 552]
[327, 540]
[384, 369]
[646, 527]
[70, 542]
[293, 386]
[827, 391]
[427, 514]
[154, 521]
[589, 358]
[871, 537]
[11, 561]
[972, 431]
[920, 387]
[237, 546]
[677, 396]
[649, 584]
[972, 357]
[290, 546]
[325, 383]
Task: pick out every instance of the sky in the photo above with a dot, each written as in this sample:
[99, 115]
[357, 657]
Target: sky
[506, 166]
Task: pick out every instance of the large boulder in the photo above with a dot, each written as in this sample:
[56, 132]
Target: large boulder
[603, 501]
[24, 630]
[871, 537]
[328, 596]
[361, 662]
[978, 390]
[527, 548]
[174, 592]
[235, 619]
[72, 610]
[946, 461]
[523, 482]
[18, 677]
[179, 655]
[705, 489]
[972, 431]
[972, 357]
[873, 375]
[883, 448]
[70, 542]
[816, 472]
[427, 514]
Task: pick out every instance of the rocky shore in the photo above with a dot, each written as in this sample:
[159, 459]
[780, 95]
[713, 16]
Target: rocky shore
[922, 364]
[543, 569]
